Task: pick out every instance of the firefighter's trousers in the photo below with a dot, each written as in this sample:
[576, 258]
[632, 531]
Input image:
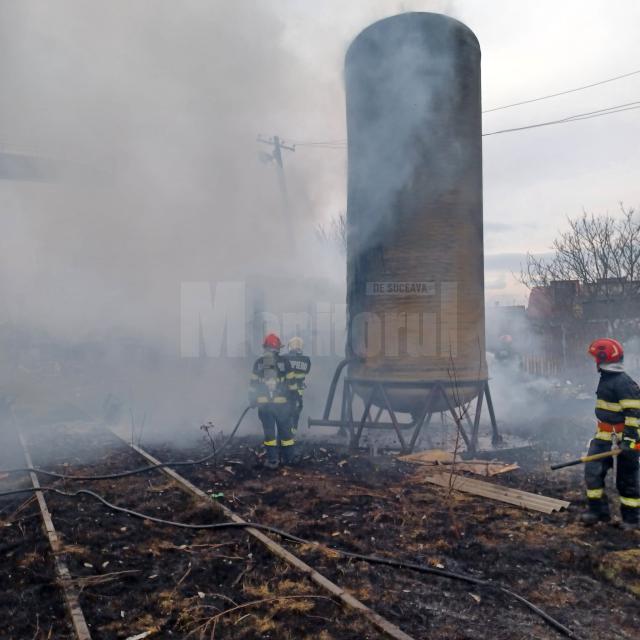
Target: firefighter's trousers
[627, 481]
[295, 414]
[277, 426]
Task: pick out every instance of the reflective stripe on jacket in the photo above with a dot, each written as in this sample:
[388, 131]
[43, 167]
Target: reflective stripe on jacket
[300, 365]
[618, 401]
[283, 377]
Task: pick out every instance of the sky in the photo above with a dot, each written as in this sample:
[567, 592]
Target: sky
[153, 108]
[533, 179]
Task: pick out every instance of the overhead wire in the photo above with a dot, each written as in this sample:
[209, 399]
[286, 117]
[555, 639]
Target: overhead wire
[562, 93]
[341, 144]
[314, 144]
[606, 109]
[587, 115]
[574, 118]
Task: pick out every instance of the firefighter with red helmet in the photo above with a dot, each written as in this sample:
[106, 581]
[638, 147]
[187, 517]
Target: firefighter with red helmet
[618, 415]
[272, 389]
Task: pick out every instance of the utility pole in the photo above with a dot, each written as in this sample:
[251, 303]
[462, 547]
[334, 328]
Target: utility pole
[276, 155]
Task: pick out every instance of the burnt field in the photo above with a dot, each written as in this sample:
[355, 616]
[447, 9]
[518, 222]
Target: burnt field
[137, 577]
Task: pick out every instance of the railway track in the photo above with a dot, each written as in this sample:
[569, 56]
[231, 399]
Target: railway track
[80, 621]
[319, 501]
[67, 585]
[390, 629]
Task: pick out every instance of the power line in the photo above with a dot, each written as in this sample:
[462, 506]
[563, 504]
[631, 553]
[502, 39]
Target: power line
[315, 144]
[278, 145]
[328, 146]
[574, 118]
[587, 115]
[617, 106]
[562, 93]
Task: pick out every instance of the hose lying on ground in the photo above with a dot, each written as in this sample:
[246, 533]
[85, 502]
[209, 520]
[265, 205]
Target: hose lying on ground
[132, 472]
[401, 564]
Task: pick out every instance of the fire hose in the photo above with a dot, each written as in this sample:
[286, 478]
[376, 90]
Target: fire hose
[132, 472]
[400, 564]
[392, 562]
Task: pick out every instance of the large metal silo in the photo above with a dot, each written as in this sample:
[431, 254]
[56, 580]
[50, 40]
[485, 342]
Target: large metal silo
[415, 287]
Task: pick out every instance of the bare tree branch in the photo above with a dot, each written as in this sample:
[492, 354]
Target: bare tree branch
[602, 251]
[335, 233]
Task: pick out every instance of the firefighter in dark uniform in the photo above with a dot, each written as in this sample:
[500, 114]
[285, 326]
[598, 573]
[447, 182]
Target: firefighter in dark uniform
[273, 391]
[301, 366]
[618, 414]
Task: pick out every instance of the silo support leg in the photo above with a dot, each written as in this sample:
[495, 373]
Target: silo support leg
[365, 415]
[343, 412]
[423, 421]
[496, 438]
[332, 389]
[476, 419]
[350, 410]
[457, 419]
[420, 424]
[396, 426]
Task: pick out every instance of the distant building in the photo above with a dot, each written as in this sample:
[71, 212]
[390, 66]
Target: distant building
[564, 317]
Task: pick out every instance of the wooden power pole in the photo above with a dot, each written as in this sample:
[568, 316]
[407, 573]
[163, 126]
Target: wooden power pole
[277, 144]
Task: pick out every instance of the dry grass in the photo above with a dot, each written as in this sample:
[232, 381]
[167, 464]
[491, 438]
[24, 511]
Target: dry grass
[29, 558]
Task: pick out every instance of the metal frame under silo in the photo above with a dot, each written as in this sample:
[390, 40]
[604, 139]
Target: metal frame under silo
[376, 394]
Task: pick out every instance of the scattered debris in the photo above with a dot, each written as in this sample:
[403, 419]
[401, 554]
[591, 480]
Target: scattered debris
[516, 497]
[438, 457]
[142, 636]
[388, 510]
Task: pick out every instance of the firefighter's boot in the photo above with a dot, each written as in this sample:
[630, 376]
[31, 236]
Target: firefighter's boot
[272, 461]
[598, 511]
[288, 454]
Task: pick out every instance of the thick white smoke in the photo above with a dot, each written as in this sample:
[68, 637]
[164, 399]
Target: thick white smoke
[150, 112]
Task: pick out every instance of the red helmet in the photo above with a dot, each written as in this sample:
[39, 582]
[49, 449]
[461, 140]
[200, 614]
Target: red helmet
[271, 341]
[606, 351]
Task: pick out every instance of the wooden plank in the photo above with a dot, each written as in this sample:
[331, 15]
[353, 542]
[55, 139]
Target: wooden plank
[438, 457]
[429, 456]
[477, 467]
[496, 492]
[376, 619]
[69, 588]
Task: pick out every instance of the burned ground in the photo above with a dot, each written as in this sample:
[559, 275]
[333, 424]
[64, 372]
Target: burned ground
[384, 507]
[139, 576]
[31, 605]
[136, 576]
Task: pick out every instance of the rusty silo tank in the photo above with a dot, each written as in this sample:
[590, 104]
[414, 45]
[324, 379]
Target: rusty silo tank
[415, 285]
